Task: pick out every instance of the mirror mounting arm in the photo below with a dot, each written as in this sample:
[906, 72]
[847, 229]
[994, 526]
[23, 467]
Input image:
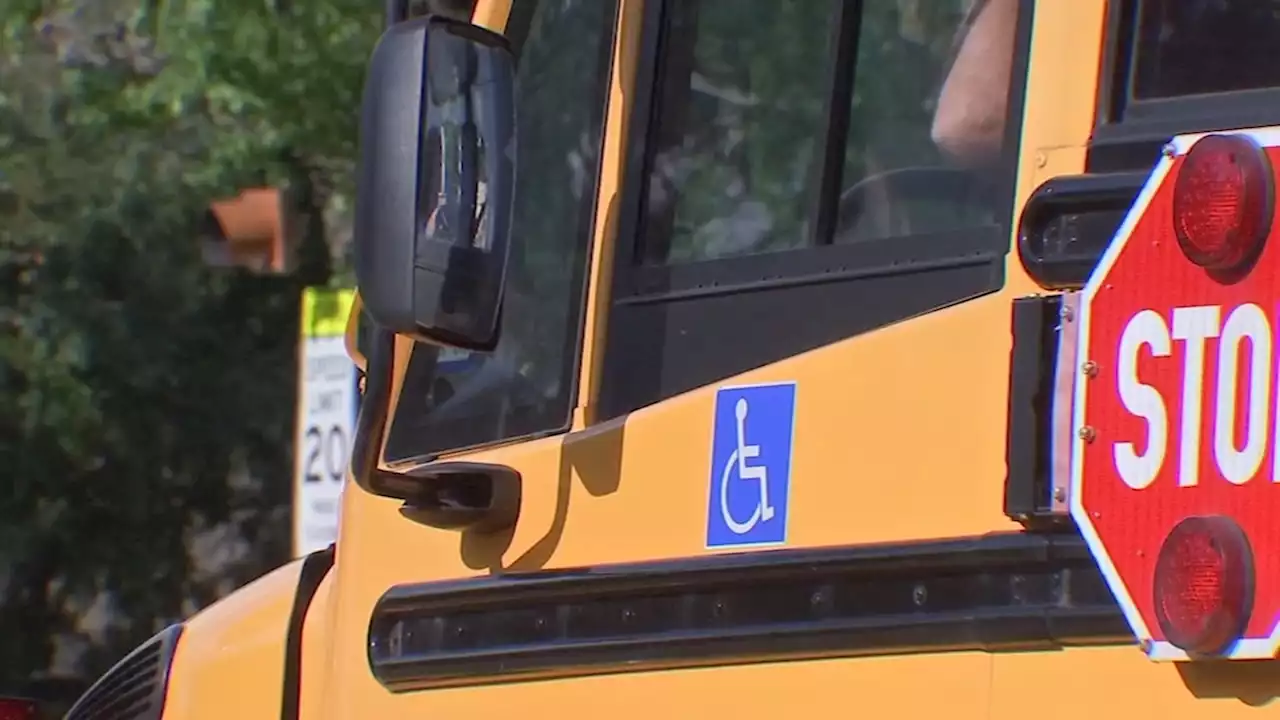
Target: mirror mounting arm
[481, 497]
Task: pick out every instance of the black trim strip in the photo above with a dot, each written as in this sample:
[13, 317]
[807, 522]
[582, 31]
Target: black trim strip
[371, 422]
[1010, 591]
[314, 568]
[825, 210]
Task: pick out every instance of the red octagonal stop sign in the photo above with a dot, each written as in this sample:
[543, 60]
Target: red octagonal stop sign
[1176, 408]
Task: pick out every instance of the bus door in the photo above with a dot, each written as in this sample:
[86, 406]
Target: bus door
[723, 337]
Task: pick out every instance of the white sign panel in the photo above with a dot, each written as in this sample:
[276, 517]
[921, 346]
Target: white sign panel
[327, 401]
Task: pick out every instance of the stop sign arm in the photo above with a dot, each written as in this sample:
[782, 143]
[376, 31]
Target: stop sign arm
[1041, 383]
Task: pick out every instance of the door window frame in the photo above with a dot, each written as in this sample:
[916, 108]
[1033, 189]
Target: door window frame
[879, 280]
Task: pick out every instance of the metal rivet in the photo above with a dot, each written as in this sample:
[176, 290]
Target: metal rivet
[1068, 314]
[1059, 494]
[1169, 150]
[1089, 368]
[919, 595]
[1088, 434]
[1041, 159]
[1017, 588]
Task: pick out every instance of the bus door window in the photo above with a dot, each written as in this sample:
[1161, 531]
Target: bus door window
[740, 117]
[969, 123]
[808, 158]
[929, 146]
[743, 109]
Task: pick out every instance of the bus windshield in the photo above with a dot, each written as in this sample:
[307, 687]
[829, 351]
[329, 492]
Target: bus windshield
[452, 400]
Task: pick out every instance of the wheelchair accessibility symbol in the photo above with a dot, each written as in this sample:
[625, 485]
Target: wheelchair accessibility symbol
[751, 465]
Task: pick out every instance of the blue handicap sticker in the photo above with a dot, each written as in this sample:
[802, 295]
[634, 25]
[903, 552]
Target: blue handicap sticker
[751, 465]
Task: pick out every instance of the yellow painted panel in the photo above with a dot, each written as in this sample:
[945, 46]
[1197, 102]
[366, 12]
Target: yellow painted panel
[1065, 67]
[955, 686]
[1062, 93]
[230, 658]
[1119, 682]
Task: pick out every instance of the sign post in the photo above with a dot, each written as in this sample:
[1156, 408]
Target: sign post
[327, 401]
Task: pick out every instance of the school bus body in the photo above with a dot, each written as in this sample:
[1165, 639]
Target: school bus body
[919, 457]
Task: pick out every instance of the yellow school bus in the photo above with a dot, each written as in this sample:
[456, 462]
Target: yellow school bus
[763, 305]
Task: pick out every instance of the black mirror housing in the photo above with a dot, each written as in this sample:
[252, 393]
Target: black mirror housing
[436, 177]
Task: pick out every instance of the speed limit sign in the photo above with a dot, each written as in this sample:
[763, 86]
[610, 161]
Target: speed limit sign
[325, 416]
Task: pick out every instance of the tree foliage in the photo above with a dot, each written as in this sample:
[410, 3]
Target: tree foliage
[146, 400]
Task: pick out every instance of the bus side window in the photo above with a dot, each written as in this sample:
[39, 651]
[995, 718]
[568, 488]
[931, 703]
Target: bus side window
[1193, 47]
[1183, 66]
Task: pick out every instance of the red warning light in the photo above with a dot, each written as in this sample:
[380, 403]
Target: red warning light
[1222, 202]
[1204, 584]
[17, 709]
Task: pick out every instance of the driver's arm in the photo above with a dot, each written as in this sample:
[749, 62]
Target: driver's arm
[969, 123]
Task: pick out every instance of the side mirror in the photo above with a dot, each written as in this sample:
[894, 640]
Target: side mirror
[436, 176]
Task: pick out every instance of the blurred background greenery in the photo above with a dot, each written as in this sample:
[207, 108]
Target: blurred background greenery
[146, 399]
